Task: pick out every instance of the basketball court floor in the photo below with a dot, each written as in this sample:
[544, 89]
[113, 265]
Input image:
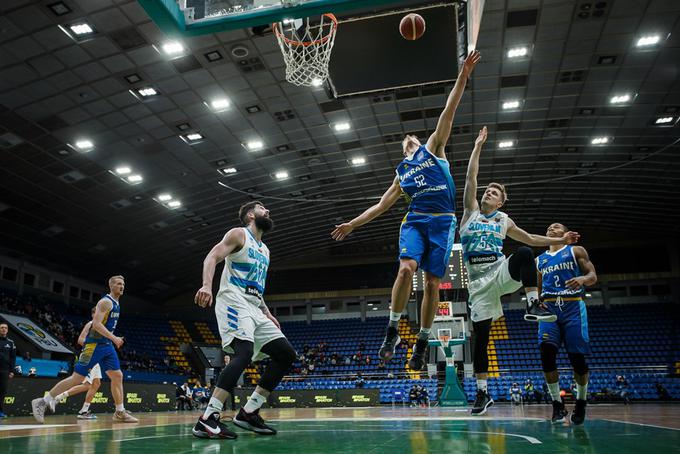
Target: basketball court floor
[649, 428]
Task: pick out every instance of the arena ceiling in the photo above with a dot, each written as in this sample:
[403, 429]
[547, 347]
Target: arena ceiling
[67, 207]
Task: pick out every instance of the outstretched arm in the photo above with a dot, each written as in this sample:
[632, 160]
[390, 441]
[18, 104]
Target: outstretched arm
[587, 267]
[386, 201]
[438, 139]
[529, 239]
[470, 194]
[232, 241]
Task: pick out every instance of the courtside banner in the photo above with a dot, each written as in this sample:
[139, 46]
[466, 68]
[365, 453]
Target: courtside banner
[138, 397]
[34, 333]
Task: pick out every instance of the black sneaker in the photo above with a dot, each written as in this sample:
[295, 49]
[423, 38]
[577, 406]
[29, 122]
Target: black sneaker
[482, 402]
[578, 416]
[536, 312]
[212, 428]
[391, 340]
[253, 421]
[417, 361]
[559, 413]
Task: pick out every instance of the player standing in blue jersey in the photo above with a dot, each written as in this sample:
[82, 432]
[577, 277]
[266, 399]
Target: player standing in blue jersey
[99, 349]
[483, 229]
[428, 229]
[563, 272]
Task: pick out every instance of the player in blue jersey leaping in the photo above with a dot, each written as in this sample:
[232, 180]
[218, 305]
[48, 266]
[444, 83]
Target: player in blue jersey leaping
[428, 229]
[482, 231]
[563, 272]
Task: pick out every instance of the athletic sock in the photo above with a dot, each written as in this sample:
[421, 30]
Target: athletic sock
[481, 384]
[582, 391]
[85, 408]
[532, 297]
[255, 402]
[394, 319]
[554, 389]
[120, 407]
[215, 405]
[424, 333]
[61, 396]
[48, 398]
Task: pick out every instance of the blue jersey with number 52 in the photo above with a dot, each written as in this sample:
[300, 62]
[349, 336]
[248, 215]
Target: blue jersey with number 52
[556, 268]
[427, 183]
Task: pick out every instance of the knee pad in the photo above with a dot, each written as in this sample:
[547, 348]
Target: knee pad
[548, 357]
[578, 362]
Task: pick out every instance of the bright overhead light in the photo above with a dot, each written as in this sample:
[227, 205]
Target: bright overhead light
[342, 126]
[164, 197]
[84, 145]
[600, 141]
[516, 52]
[228, 171]
[81, 29]
[510, 105]
[620, 99]
[317, 82]
[148, 91]
[194, 136]
[646, 41]
[135, 178]
[175, 204]
[173, 48]
[219, 104]
[663, 120]
[281, 175]
[123, 170]
[358, 161]
[254, 145]
[506, 144]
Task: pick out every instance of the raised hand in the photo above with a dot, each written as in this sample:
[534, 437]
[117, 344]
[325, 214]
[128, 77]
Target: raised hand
[481, 138]
[341, 231]
[471, 61]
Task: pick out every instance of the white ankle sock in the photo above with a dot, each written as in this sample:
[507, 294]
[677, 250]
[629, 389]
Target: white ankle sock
[85, 408]
[120, 407]
[554, 389]
[582, 391]
[255, 402]
[532, 297]
[48, 398]
[215, 405]
[482, 384]
[61, 396]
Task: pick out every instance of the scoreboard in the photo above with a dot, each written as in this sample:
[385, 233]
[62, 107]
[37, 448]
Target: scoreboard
[456, 275]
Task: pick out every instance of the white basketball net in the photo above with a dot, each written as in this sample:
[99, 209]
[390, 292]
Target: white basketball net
[307, 49]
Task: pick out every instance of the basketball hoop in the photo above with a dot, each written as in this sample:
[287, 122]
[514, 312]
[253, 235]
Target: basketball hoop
[444, 336]
[306, 49]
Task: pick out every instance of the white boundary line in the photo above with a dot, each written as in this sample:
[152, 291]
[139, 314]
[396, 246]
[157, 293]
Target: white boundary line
[640, 424]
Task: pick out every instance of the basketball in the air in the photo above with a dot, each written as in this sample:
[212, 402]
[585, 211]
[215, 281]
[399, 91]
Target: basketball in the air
[412, 26]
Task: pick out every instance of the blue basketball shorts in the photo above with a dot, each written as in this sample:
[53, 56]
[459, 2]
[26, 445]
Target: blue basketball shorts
[570, 328]
[103, 354]
[428, 239]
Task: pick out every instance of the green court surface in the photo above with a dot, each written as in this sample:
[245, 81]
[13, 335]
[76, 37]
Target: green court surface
[421, 435]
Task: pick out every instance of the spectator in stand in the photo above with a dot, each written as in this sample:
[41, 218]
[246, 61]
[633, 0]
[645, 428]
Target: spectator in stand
[27, 356]
[359, 382]
[546, 393]
[368, 360]
[381, 365]
[529, 394]
[8, 355]
[348, 360]
[623, 388]
[200, 396]
[424, 397]
[515, 394]
[413, 396]
[181, 398]
[662, 392]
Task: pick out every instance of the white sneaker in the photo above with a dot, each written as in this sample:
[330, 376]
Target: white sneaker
[86, 415]
[124, 416]
[38, 406]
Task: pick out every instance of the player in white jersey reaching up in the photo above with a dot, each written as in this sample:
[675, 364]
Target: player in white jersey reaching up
[247, 329]
[491, 275]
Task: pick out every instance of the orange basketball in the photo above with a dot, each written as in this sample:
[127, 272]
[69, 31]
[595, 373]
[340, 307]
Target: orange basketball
[412, 26]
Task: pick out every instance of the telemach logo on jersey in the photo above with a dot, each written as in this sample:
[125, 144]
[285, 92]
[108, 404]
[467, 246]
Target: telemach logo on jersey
[251, 290]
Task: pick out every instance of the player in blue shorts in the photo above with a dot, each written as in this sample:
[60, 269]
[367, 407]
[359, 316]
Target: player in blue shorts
[563, 272]
[428, 229]
[100, 348]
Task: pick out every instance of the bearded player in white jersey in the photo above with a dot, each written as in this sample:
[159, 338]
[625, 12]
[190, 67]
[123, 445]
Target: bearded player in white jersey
[482, 231]
[247, 329]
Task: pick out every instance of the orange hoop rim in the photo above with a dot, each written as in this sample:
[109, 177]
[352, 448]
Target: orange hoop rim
[316, 42]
